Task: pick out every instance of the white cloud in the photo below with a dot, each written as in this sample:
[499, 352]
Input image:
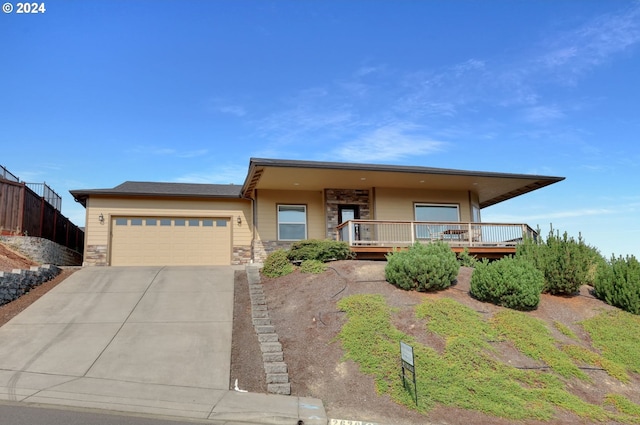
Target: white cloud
[163, 151]
[574, 52]
[235, 110]
[389, 143]
[225, 174]
[542, 114]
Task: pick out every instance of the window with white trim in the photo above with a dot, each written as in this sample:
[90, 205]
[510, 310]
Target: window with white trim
[292, 222]
[437, 212]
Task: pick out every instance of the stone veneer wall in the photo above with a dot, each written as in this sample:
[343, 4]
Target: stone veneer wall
[95, 255]
[241, 255]
[336, 197]
[263, 248]
[44, 251]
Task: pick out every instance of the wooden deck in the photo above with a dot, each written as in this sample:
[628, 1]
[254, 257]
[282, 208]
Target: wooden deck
[373, 239]
[379, 253]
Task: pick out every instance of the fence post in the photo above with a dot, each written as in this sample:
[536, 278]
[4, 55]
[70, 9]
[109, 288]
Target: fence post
[21, 208]
[41, 224]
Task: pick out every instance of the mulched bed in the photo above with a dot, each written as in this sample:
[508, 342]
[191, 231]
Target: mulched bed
[303, 309]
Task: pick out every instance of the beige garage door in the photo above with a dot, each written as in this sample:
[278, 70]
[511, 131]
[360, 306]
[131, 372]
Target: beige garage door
[170, 241]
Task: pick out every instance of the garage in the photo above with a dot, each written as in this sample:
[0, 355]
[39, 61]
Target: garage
[172, 241]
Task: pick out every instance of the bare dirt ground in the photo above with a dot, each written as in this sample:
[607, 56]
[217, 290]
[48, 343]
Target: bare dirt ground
[10, 260]
[303, 309]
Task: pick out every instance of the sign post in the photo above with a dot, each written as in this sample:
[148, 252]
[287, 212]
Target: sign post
[406, 355]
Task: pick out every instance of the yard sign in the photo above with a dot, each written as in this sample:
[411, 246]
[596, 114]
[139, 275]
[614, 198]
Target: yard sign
[406, 356]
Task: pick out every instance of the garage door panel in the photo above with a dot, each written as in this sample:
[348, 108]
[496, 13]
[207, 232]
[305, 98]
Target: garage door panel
[170, 241]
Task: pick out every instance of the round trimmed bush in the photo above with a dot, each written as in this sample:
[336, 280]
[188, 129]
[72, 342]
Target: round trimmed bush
[321, 250]
[313, 266]
[277, 264]
[422, 267]
[509, 282]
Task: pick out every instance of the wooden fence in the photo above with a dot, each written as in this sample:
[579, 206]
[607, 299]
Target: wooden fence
[24, 212]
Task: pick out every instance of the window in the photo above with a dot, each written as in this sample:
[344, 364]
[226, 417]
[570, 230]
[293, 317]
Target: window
[151, 222]
[165, 222]
[292, 222]
[437, 212]
[179, 222]
[194, 222]
[121, 221]
[434, 212]
[221, 223]
[207, 223]
[136, 222]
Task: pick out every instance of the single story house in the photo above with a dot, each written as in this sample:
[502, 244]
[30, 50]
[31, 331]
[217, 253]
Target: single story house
[374, 208]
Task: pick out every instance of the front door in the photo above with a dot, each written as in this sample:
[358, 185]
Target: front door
[350, 212]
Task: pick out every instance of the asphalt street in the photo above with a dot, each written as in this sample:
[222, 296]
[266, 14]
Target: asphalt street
[11, 414]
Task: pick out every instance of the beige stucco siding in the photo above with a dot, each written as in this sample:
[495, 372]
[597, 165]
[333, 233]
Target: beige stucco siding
[267, 202]
[398, 204]
[98, 234]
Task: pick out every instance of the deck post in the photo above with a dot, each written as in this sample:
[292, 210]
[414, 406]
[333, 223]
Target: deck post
[413, 232]
[469, 234]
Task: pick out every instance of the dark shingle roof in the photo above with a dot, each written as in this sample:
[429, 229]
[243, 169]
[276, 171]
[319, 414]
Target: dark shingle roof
[154, 189]
[182, 189]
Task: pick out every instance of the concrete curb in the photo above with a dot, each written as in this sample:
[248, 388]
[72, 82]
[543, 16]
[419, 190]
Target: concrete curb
[276, 370]
[350, 422]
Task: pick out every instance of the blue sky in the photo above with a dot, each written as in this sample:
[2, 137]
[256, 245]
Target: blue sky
[98, 92]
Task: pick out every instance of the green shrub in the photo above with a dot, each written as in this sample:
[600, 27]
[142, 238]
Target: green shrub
[422, 267]
[313, 266]
[565, 262]
[618, 283]
[509, 282]
[321, 250]
[277, 264]
[467, 260]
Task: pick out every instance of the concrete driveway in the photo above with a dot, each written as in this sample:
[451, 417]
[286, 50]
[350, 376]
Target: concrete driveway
[151, 340]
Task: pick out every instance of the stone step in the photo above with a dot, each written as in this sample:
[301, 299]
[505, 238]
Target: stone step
[261, 322]
[275, 367]
[276, 356]
[282, 389]
[265, 329]
[270, 347]
[268, 337]
[277, 378]
[258, 299]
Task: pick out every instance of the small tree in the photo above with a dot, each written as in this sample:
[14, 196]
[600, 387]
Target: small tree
[467, 260]
[422, 267]
[565, 262]
[618, 283]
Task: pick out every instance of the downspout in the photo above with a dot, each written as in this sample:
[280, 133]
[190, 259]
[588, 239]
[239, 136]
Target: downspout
[254, 222]
[254, 213]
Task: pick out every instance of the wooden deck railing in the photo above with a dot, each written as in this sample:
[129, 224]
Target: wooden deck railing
[387, 233]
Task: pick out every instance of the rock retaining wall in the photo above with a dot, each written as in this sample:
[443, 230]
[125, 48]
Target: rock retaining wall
[276, 371]
[43, 251]
[18, 282]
